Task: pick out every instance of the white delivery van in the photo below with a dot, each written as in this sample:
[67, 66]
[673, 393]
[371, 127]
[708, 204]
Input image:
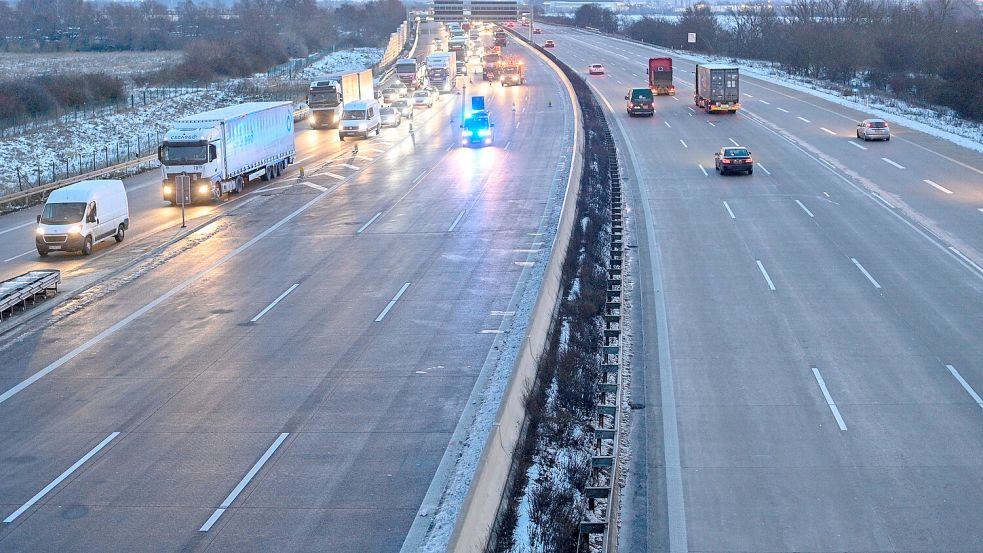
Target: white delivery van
[360, 118]
[79, 215]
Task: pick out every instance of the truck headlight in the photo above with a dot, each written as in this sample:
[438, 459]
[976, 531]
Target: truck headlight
[312, 119]
[203, 189]
[168, 189]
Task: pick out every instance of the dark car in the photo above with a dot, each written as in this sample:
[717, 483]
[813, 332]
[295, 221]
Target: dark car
[549, 44]
[733, 160]
[640, 102]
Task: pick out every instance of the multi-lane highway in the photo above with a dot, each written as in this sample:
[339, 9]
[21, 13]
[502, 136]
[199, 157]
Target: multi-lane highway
[286, 378]
[808, 348]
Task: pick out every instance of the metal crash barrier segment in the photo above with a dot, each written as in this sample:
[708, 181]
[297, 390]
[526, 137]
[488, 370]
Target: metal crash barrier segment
[601, 504]
[17, 291]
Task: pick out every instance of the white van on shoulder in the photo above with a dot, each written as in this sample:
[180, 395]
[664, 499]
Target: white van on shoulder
[360, 118]
[79, 215]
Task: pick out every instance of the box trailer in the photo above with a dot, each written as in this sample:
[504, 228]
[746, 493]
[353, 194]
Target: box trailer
[328, 95]
[717, 88]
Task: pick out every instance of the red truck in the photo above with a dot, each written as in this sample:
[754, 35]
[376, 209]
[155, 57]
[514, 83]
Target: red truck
[660, 76]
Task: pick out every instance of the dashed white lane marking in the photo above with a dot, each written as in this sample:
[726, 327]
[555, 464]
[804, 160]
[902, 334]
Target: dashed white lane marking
[243, 483]
[852, 143]
[888, 161]
[273, 303]
[829, 399]
[762, 167]
[729, 211]
[804, 119]
[804, 208]
[370, 221]
[392, 303]
[962, 382]
[44, 491]
[764, 102]
[866, 274]
[824, 129]
[667, 124]
[734, 142]
[937, 186]
[456, 221]
[764, 273]
[782, 110]
[683, 142]
[705, 174]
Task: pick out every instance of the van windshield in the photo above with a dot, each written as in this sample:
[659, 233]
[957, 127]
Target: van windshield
[62, 214]
[353, 114]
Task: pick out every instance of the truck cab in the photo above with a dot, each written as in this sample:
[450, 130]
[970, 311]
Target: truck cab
[640, 102]
[512, 74]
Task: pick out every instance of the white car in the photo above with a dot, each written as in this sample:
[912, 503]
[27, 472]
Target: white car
[301, 111]
[422, 99]
[595, 69]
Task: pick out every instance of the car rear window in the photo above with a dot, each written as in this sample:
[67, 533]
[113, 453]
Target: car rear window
[878, 124]
[387, 111]
[736, 152]
[641, 93]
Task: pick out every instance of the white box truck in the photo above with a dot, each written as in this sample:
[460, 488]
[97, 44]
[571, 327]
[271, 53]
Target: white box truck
[328, 95]
[442, 71]
[79, 215]
[222, 149]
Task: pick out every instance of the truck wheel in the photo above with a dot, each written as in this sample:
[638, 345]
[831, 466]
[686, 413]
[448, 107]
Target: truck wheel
[120, 233]
[87, 246]
[378, 128]
[239, 185]
[43, 252]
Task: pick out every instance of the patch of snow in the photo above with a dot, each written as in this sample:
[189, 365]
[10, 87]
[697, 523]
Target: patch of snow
[119, 64]
[342, 61]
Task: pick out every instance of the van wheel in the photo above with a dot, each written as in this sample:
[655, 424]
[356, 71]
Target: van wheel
[87, 246]
[120, 233]
[378, 128]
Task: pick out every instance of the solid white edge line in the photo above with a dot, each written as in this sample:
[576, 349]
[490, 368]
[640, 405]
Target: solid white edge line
[366, 225]
[829, 399]
[969, 389]
[705, 174]
[392, 303]
[966, 259]
[273, 304]
[729, 211]
[866, 274]
[764, 273]
[11, 229]
[937, 186]
[243, 483]
[44, 491]
[28, 252]
[160, 299]
[456, 221]
[804, 208]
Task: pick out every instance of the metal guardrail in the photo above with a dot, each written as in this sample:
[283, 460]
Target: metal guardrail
[17, 291]
[601, 486]
[44, 189]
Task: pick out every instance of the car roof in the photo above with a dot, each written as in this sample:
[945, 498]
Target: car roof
[874, 120]
[729, 149]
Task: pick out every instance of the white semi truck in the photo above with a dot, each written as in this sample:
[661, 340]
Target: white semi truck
[442, 71]
[328, 95]
[222, 149]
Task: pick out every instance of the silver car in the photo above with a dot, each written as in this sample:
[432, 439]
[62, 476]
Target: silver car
[873, 129]
[390, 117]
[404, 107]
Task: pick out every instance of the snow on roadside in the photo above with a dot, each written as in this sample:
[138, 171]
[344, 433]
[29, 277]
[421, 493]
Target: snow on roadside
[345, 60]
[122, 64]
[64, 142]
[938, 121]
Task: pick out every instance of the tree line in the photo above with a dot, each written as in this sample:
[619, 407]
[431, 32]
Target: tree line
[926, 52]
[218, 41]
